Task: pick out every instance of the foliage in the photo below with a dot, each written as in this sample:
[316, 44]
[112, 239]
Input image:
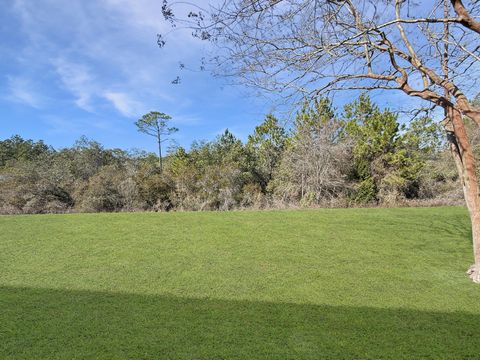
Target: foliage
[387, 157]
[266, 146]
[18, 149]
[156, 124]
[363, 155]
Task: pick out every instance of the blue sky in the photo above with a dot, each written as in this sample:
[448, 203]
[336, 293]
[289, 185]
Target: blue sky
[92, 67]
[77, 67]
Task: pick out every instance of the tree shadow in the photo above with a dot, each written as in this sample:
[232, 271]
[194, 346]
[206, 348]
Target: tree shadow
[43, 323]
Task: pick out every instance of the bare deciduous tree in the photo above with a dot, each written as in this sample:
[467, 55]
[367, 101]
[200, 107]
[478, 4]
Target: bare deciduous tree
[313, 47]
[314, 168]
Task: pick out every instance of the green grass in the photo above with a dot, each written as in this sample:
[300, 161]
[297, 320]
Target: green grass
[353, 283]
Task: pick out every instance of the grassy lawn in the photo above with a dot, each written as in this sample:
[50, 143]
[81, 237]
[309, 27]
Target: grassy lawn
[353, 283]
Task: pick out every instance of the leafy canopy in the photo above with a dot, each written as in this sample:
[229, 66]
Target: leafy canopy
[155, 124]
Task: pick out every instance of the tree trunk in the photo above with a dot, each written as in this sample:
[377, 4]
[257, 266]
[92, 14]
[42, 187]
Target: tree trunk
[160, 154]
[464, 160]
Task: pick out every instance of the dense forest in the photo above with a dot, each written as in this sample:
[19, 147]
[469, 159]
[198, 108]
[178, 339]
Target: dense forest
[360, 156]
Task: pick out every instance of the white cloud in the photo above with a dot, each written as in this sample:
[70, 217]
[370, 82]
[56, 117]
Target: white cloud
[103, 55]
[146, 15]
[124, 104]
[143, 14]
[21, 90]
[76, 78]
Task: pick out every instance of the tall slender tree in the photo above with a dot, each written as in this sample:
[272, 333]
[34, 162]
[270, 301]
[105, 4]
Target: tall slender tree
[156, 124]
[266, 144]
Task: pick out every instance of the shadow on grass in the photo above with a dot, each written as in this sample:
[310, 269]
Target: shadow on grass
[36, 323]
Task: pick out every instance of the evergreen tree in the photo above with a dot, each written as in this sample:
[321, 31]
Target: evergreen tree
[266, 145]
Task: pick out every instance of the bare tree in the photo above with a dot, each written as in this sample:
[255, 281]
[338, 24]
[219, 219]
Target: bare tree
[314, 167]
[314, 47]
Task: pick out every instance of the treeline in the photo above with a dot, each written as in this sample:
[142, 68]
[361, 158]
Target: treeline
[359, 157]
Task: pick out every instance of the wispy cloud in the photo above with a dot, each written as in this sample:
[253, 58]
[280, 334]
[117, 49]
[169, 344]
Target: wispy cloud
[76, 79]
[98, 46]
[97, 62]
[21, 90]
[124, 104]
[142, 14]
